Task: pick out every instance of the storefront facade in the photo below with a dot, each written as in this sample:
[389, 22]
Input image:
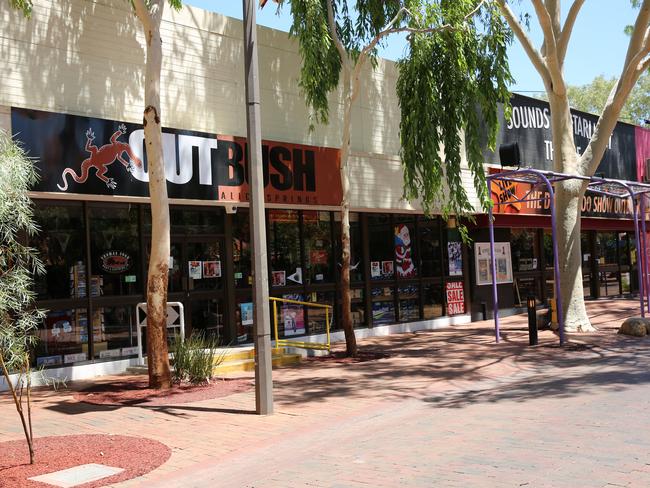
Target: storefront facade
[95, 239]
[524, 228]
[72, 94]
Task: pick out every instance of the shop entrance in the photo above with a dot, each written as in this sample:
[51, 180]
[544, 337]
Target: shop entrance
[197, 279]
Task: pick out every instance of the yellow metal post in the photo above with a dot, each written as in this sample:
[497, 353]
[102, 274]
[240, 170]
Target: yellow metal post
[327, 326]
[275, 321]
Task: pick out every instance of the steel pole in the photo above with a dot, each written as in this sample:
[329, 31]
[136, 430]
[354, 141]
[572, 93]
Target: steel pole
[556, 261]
[262, 316]
[493, 267]
[638, 254]
[643, 253]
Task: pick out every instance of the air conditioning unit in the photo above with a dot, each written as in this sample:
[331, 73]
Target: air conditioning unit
[510, 155]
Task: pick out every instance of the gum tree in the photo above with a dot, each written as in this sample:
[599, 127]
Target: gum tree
[548, 60]
[592, 96]
[150, 13]
[456, 62]
[18, 264]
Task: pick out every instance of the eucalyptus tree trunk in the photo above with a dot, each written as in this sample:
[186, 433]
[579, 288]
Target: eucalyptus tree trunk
[568, 208]
[157, 351]
[348, 99]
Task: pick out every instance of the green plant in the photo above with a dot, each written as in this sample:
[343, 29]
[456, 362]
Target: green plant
[18, 264]
[195, 358]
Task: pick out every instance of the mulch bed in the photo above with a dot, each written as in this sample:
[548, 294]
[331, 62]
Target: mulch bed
[136, 391]
[340, 357]
[137, 456]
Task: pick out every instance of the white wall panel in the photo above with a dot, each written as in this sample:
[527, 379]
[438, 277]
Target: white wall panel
[86, 57]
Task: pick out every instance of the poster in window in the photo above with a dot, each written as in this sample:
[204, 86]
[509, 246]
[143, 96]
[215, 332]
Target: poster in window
[455, 297]
[278, 278]
[383, 313]
[246, 310]
[403, 259]
[293, 316]
[212, 269]
[503, 263]
[195, 269]
[375, 269]
[455, 256]
[387, 269]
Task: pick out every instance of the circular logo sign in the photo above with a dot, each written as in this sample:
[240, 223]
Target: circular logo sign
[115, 261]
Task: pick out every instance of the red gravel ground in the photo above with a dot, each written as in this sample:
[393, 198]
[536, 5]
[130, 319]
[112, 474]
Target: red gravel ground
[134, 390]
[135, 455]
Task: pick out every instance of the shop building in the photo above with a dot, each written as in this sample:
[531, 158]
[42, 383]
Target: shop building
[523, 230]
[73, 96]
[72, 93]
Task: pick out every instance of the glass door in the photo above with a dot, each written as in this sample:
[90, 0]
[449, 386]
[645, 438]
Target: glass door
[205, 286]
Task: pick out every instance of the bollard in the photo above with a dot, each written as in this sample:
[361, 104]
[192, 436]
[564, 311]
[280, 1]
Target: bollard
[532, 321]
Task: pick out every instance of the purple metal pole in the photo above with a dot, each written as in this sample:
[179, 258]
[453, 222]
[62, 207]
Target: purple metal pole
[495, 297]
[638, 254]
[644, 252]
[556, 263]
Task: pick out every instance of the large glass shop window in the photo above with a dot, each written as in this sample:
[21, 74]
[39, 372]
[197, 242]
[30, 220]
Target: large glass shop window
[114, 250]
[60, 244]
[62, 338]
[114, 332]
[284, 248]
[319, 317]
[430, 248]
[317, 231]
[432, 301]
[524, 250]
[606, 245]
[381, 239]
[241, 249]
[190, 221]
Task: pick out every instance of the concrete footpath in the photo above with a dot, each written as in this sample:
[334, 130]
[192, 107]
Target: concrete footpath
[447, 408]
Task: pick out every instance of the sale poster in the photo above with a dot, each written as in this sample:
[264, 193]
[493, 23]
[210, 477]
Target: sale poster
[455, 297]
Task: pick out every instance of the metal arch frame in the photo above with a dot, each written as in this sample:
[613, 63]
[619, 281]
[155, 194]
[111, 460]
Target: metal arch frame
[635, 191]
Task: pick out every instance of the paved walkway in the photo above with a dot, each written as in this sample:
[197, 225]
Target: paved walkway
[447, 408]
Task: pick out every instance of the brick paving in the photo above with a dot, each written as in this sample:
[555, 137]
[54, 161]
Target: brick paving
[447, 408]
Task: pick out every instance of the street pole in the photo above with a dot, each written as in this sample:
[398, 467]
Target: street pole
[261, 314]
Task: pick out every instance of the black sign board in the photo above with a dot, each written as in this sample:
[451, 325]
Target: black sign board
[530, 127]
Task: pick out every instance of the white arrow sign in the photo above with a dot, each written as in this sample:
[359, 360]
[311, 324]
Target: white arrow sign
[172, 315]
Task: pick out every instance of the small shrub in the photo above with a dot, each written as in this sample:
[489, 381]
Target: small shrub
[195, 358]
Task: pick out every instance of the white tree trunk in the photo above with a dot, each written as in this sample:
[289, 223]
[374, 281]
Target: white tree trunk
[158, 274]
[346, 305]
[568, 208]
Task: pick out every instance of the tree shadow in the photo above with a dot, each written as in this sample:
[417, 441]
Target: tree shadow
[67, 407]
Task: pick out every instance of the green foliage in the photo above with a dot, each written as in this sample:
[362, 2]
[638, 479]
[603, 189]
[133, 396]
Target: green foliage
[18, 262]
[321, 61]
[24, 5]
[451, 82]
[195, 359]
[447, 75]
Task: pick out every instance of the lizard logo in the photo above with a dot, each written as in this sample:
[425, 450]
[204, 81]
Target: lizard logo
[101, 158]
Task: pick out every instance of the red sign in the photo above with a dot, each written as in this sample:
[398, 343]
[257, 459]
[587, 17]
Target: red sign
[293, 173]
[515, 197]
[455, 298]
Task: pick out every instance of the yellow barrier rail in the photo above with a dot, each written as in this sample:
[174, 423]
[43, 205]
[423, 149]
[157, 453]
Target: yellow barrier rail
[301, 344]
